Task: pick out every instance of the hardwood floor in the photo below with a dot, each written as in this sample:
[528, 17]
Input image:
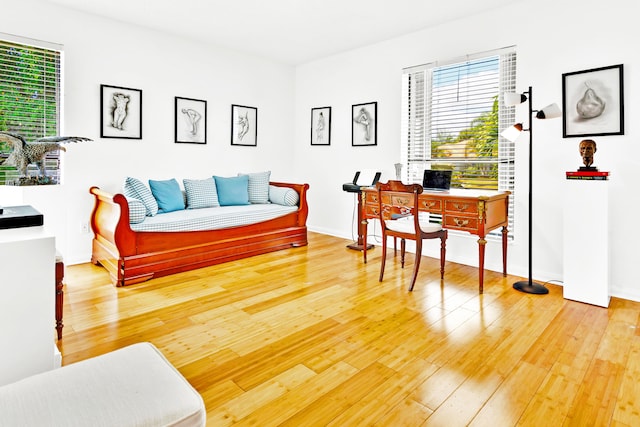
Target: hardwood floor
[309, 337]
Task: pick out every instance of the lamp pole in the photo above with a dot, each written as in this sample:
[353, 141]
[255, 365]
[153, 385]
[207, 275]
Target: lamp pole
[530, 286]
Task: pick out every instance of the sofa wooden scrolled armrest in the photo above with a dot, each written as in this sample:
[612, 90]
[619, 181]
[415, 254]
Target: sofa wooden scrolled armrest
[135, 256]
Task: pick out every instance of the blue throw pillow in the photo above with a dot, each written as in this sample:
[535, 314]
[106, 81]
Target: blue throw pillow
[232, 191]
[167, 194]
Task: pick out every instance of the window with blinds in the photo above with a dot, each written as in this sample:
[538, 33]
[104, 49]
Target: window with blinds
[452, 117]
[29, 104]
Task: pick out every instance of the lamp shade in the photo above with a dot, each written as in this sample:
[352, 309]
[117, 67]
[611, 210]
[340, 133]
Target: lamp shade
[551, 111]
[511, 133]
[511, 99]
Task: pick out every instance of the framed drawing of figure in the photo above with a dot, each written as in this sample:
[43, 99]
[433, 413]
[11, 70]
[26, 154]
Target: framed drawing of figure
[321, 126]
[190, 120]
[244, 125]
[364, 124]
[120, 112]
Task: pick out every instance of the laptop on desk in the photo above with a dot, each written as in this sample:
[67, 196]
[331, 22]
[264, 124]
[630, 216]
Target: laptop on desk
[436, 180]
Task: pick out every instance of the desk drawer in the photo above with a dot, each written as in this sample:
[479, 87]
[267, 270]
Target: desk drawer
[430, 205]
[371, 210]
[460, 222]
[461, 206]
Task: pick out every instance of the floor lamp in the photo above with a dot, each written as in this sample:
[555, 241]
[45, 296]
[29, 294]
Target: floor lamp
[549, 112]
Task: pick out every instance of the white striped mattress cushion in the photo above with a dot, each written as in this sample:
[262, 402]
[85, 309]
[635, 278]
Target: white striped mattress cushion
[212, 218]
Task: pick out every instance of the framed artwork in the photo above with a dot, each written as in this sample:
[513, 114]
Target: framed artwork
[244, 125]
[592, 102]
[191, 120]
[321, 126]
[120, 112]
[364, 124]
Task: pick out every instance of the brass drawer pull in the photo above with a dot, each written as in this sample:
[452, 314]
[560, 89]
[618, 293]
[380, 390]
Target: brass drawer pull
[461, 206]
[461, 222]
[429, 204]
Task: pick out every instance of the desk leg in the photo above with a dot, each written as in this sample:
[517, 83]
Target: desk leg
[363, 227]
[504, 250]
[481, 247]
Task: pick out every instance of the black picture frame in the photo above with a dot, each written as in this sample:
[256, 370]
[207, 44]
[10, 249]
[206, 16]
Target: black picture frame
[593, 102]
[244, 125]
[190, 120]
[120, 112]
[364, 124]
[321, 126]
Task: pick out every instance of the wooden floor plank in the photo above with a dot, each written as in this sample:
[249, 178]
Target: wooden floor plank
[309, 336]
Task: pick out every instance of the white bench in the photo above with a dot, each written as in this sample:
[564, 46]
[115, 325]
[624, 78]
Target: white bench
[132, 386]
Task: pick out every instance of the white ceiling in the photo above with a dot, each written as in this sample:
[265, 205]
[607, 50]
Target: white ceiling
[288, 31]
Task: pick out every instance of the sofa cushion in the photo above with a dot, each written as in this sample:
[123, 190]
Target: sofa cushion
[284, 196]
[136, 189]
[258, 186]
[137, 210]
[232, 191]
[168, 195]
[134, 385]
[201, 193]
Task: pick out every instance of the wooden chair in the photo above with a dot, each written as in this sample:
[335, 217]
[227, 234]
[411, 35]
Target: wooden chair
[400, 217]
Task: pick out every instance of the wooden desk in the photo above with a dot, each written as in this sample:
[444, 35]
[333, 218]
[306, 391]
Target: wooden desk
[474, 211]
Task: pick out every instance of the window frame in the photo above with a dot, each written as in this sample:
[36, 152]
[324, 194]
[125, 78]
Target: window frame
[51, 81]
[417, 114]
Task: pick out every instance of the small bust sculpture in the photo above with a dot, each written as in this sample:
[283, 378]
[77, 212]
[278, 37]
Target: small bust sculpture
[587, 149]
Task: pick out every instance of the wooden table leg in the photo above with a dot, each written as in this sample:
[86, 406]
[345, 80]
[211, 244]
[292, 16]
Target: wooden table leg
[482, 243]
[504, 250]
[59, 297]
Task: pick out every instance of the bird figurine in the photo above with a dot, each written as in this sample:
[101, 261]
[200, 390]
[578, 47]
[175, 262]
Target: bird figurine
[25, 153]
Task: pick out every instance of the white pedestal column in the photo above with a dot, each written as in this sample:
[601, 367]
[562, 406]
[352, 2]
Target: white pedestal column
[27, 302]
[586, 242]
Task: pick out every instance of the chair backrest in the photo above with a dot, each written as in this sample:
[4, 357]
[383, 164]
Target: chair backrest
[397, 200]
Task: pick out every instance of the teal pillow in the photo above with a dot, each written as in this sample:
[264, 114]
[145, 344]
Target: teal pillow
[167, 194]
[232, 191]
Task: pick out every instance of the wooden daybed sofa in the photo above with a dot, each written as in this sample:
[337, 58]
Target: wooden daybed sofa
[136, 256]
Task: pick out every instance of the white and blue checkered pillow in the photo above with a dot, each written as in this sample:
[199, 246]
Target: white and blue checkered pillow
[284, 196]
[201, 193]
[136, 189]
[137, 210]
[258, 186]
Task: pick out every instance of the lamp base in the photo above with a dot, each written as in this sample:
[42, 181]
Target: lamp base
[530, 287]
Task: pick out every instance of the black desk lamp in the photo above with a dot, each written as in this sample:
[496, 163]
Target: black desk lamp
[549, 112]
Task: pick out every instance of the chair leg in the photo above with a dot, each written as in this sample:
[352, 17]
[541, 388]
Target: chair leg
[403, 245]
[384, 257]
[443, 253]
[416, 264]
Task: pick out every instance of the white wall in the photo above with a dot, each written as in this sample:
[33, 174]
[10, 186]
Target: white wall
[552, 38]
[99, 51]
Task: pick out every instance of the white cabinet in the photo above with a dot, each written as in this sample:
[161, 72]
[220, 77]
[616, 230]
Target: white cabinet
[27, 302]
[586, 242]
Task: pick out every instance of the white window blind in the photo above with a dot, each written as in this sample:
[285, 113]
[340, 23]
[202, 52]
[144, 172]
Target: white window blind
[29, 100]
[452, 117]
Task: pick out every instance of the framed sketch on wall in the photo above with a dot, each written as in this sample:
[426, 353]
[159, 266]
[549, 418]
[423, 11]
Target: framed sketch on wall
[190, 120]
[244, 125]
[321, 126]
[120, 112]
[364, 124]
[592, 102]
